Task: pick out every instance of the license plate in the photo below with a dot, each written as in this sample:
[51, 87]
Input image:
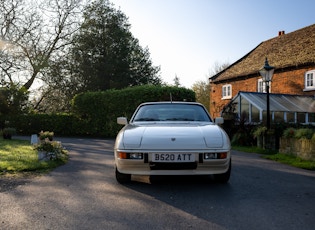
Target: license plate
[173, 157]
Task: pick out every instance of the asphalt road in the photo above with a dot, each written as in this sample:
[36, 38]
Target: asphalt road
[83, 194]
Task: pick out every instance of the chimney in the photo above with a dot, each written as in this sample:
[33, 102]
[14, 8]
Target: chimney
[281, 33]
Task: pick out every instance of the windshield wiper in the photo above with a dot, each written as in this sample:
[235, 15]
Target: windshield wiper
[147, 119]
[179, 119]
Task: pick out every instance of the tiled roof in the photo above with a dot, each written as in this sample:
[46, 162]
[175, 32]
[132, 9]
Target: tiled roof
[286, 50]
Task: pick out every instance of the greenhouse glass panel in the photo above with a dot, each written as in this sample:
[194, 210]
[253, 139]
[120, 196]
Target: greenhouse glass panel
[265, 116]
[255, 114]
[279, 116]
[300, 117]
[245, 107]
[311, 117]
[290, 117]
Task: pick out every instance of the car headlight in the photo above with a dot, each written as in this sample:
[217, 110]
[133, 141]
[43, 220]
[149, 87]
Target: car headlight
[137, 156]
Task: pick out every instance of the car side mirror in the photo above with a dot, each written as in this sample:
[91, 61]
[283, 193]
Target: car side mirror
[219, 120]
[122, 121]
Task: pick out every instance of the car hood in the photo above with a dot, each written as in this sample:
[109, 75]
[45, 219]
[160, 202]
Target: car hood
[173, 136]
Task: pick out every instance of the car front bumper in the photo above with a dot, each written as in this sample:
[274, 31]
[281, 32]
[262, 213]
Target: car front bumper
[200, 166]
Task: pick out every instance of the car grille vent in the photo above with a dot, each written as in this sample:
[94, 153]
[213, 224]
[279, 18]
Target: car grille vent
[200, 157]
[146, 158]
[173, 166]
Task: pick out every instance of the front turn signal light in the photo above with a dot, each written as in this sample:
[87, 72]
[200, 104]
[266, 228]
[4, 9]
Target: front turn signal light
[223, 155]
[123, 155]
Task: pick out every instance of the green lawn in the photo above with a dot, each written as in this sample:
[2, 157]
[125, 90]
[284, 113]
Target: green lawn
[19, 156]
[280, 157]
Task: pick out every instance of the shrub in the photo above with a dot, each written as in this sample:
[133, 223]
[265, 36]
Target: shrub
[304, 134]
[8, 133]
[52, 149]
[289, 133]
[259, 131]
[43, 135]
[241, 139]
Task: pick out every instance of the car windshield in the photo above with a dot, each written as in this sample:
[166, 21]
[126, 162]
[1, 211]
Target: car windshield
[171, 112]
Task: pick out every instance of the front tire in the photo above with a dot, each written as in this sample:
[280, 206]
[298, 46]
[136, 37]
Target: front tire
[224, 177]
[122, 178]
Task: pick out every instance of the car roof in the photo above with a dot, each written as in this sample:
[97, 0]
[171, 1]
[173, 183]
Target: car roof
[171, 102]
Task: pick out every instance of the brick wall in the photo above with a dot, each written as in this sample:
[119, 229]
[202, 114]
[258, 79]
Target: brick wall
[290, 82]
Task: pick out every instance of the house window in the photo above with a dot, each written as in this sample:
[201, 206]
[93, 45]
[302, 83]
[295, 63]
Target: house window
[261, 86]
[310, 80]
[227, 91]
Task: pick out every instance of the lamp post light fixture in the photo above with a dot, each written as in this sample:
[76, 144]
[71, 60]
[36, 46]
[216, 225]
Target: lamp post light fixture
[267, 72]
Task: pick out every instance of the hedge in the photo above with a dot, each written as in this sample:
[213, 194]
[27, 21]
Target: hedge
[100, 109]
[60, 124]
[95, 113]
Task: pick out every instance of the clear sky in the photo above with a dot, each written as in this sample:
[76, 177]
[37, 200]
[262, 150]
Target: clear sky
[186, 38]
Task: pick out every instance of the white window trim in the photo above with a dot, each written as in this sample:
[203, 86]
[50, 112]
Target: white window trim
[260, 81]
[228, 89]
[261, 86]
[309, 88]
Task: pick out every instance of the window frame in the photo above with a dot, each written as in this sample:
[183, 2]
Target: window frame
[261, 86]
[227, 91]
[310, 86]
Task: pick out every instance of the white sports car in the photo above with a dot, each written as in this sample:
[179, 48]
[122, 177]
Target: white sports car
[172, 138]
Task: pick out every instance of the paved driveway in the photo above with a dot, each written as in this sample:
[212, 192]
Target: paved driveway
[83, 194]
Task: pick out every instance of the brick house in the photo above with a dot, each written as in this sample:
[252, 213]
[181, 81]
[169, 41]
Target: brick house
[292, 55]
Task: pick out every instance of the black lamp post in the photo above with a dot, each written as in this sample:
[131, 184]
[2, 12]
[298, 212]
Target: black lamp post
[267, 72]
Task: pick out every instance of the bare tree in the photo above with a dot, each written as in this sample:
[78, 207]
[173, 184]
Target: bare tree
[9, 20]
[217, 67]
[34, 34]
[202, 88]
[176, 81]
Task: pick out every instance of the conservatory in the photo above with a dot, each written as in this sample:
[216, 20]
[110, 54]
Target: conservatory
[252, 107]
